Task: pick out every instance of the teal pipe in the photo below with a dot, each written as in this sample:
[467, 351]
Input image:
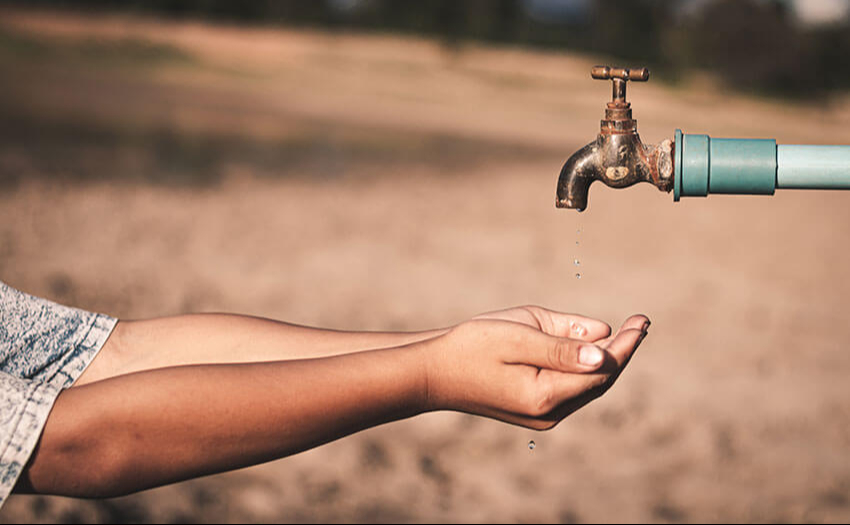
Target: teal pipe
[702, 165]
[813, 167]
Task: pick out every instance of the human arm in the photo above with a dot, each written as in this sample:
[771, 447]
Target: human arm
[148, 428]
[196, 339]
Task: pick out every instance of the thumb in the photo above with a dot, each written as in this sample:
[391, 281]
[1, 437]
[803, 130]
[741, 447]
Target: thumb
[561, 354]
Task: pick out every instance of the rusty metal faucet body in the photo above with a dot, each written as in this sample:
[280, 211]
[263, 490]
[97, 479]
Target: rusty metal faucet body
[617, 157]
[692, 165]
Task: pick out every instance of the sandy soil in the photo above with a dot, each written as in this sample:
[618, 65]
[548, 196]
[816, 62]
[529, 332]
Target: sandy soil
[426, 196]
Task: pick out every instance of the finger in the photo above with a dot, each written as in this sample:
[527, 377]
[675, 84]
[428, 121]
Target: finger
[556, 353]
[558, 388]
[626, 352]
[624, 344]
[618, 355]
[581, 400]
[558, 395]
[576, 391]
[637, 322]
[534, 423]
[571, 325]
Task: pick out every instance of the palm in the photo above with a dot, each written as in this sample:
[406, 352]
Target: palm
[552, 323]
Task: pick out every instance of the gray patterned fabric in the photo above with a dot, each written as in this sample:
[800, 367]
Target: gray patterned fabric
[44, 347]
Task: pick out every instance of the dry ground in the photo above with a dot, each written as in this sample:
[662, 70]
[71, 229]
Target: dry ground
[152, 168]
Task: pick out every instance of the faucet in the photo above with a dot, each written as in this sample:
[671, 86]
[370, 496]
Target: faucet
[617, 157]
[691, 165]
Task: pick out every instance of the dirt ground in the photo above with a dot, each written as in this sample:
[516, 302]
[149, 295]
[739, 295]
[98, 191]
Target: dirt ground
[374, 182]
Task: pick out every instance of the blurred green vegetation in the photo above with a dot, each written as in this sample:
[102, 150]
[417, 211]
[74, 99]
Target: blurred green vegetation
[46, 135]
[752, 45]
[21, 47]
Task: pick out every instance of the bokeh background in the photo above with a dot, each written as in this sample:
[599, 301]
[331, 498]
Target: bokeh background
[384, 165]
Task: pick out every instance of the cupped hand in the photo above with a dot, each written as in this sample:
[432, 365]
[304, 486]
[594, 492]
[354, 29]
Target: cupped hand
[528, 366]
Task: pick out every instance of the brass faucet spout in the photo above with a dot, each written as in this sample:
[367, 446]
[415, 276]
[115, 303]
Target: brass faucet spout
[617, 157]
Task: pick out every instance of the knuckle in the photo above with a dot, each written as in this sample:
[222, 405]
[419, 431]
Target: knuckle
[559, 354]
[533, 308]
[553, 357]
[535, 311]
[540, 316]
[474, 331]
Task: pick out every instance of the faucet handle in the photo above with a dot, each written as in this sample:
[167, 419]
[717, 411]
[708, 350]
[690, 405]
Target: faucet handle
[619, 75]
[608, 73]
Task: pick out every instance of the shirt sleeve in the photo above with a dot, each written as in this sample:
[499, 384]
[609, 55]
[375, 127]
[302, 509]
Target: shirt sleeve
[44, 348]
[24, 407]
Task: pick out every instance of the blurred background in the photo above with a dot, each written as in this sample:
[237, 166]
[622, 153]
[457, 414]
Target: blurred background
[380, 165]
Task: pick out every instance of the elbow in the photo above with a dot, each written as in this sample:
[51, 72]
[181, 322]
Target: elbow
[108, 474]
[80, 455]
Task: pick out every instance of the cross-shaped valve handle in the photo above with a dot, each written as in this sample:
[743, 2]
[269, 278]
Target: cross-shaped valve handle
[619, 75]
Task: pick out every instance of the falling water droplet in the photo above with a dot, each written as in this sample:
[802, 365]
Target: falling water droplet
[531, 445]
[578, 276]
[578, 329]
[576, 262]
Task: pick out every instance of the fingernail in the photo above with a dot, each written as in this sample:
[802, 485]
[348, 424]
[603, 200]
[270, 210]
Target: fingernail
[590, 355]
[646, 325]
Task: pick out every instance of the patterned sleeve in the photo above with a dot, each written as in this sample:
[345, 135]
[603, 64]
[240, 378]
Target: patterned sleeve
[44, 348]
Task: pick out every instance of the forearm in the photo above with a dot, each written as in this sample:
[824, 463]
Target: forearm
[226, 338]
[150, 428]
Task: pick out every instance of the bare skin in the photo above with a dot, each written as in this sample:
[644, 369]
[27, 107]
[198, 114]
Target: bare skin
[176, 398]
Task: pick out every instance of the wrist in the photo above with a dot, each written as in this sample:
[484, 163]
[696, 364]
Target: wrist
[438, 372]
[428, 372]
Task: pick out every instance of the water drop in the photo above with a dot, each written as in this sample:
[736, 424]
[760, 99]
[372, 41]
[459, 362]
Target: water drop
[531, 445]
[577, 262]
[578, 329]
[578, 276]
